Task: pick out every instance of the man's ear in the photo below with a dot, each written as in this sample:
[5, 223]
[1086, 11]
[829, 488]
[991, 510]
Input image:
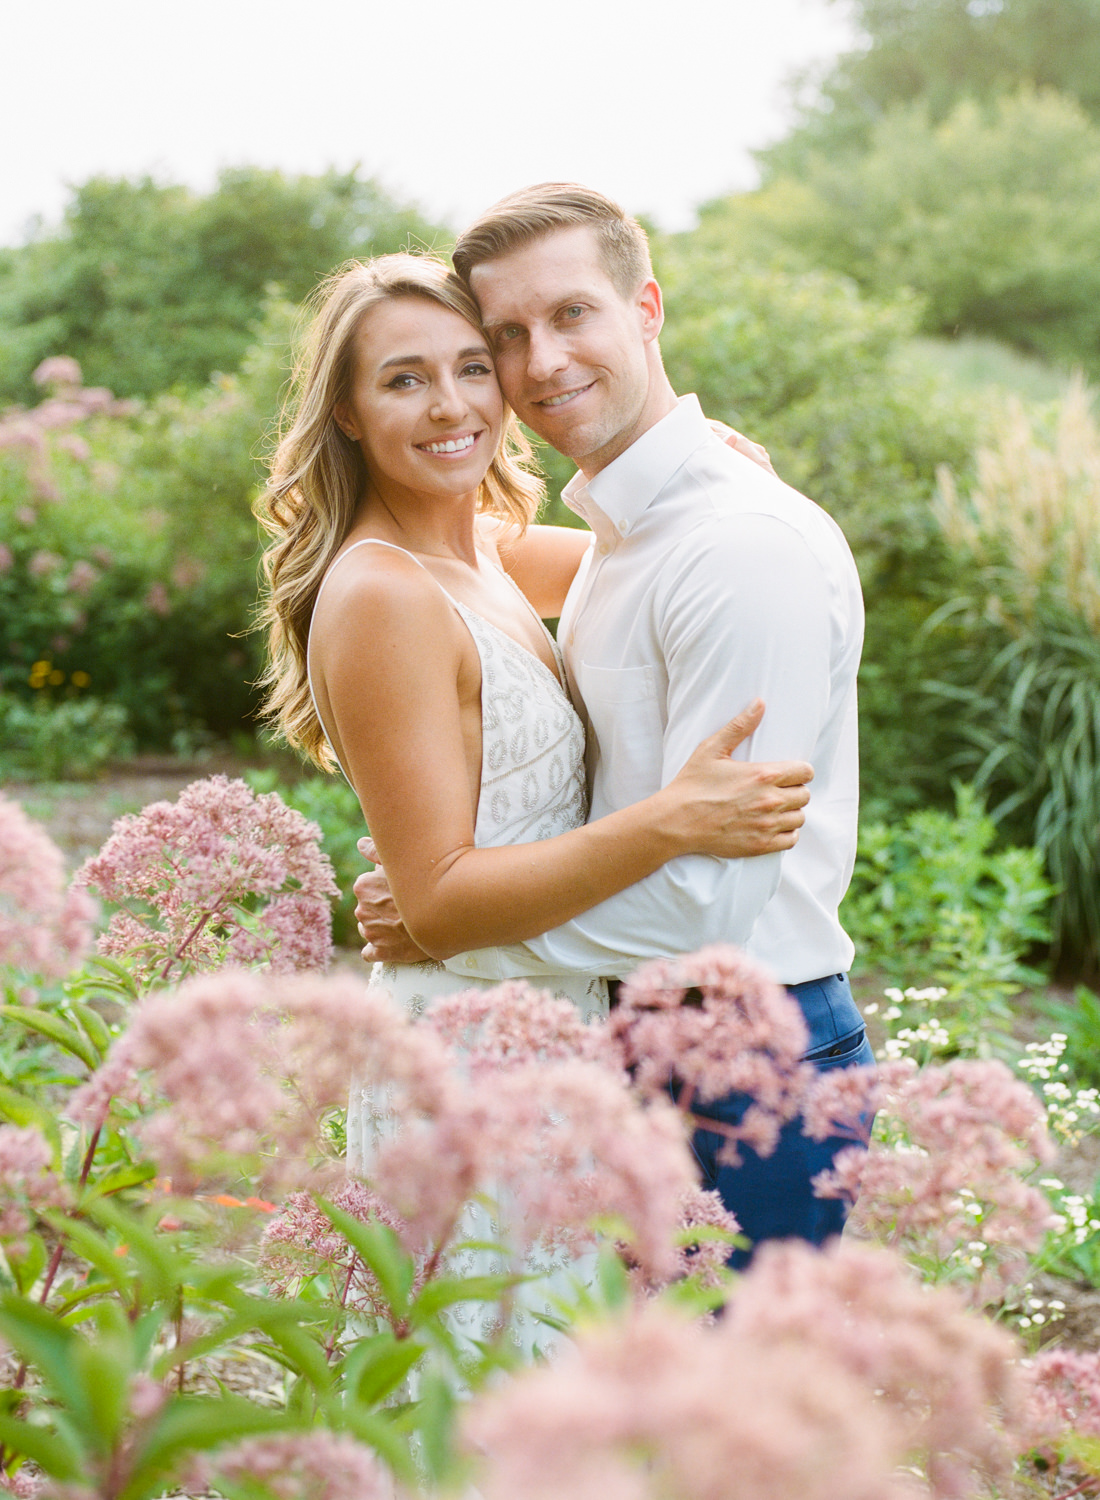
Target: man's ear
[652, 310]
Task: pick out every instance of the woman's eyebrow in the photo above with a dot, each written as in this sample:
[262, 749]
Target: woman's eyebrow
[419, 359]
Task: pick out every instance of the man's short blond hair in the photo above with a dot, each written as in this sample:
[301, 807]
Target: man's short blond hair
[535, 211]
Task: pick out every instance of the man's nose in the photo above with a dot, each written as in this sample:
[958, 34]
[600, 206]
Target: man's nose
[546, 355]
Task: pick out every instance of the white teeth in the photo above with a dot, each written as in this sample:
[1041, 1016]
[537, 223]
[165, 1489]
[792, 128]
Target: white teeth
[450, 446]
[565, 396]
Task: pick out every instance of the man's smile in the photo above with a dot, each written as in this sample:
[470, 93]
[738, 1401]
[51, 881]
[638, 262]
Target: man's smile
[564, 396]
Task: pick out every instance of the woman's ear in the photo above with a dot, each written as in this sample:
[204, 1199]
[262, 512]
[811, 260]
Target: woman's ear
[344, 420]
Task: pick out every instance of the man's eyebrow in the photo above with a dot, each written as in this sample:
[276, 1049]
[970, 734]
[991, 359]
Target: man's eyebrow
[418, 359]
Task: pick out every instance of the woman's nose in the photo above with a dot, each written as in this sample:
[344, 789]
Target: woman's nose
[448, 402]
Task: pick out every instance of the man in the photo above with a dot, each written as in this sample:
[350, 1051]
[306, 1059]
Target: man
[708, 583]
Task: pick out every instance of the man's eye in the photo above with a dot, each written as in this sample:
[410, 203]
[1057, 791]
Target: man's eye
[506, 334]
[576, 311]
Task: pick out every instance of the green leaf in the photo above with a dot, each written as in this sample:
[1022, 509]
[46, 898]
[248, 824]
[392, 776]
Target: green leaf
[451, 1289]
[53, 1451]
[378, 1365]
[95, 1028]
[115, 1179]
[381, 1251]
[435, 1422]
[55, 1028]
[21, 1110]
[28, 1267]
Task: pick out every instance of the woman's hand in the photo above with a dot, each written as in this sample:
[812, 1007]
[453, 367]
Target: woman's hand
[736, 809]
[743, 445]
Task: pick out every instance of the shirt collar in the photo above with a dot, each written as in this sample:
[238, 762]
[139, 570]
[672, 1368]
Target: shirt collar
[615, 499]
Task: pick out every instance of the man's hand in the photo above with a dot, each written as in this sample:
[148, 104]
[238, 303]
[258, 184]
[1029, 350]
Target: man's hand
[743, 445]
[379, 921]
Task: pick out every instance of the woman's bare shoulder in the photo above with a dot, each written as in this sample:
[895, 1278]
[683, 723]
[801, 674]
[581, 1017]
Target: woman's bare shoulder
[374, 586]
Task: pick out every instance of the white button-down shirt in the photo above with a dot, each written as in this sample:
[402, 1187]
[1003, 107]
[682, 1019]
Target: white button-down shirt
[709, 583]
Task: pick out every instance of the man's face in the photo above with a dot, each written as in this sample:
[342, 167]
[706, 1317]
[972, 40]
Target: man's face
[571, 352]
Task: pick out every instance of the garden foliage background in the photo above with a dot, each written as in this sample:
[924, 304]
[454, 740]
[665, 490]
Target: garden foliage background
[905, 313]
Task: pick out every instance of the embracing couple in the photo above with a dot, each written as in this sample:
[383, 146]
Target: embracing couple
[406, 591]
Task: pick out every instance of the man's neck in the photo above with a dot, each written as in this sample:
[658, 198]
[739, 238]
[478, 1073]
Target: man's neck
[661, 399]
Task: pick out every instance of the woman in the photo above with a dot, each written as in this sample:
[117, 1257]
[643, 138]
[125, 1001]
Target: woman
[403, 650]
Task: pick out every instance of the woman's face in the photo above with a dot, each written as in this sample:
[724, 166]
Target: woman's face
[425, 406]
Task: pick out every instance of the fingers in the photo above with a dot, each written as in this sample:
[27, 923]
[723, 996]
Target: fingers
[738, 729]
[367, 849]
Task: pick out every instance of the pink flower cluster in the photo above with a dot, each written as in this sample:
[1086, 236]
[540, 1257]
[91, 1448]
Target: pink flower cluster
[554, 1144]
[709, 1024]
[44, 927]
[962, 1137]
[829, 1371]
[1063, 1398]
[236, 1065]
[222, 875]
[300, 1242]
[322, 1465]
[69, 403]
[27, 1182]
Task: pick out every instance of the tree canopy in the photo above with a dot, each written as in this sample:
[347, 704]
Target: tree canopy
[150, 285]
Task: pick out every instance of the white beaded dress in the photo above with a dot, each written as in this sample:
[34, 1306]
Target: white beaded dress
[532, 788]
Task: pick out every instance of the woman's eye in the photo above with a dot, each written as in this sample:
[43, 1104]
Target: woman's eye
[401, 382]
[476, 367]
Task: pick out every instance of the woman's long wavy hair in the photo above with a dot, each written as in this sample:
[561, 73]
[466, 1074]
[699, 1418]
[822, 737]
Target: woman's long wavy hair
[318, 475]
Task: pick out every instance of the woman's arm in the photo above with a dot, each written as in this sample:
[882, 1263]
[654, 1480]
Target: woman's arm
[394, 666]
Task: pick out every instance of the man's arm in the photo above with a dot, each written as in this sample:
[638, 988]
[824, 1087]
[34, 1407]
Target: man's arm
[744, 609]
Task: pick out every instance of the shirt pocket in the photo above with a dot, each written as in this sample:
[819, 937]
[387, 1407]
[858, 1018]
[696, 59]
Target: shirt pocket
[626, 733]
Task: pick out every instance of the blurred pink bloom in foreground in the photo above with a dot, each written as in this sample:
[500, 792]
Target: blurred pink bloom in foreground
[1063, 1398]
[962, 1137]
[26, 1181]
[320, 1465]
[823, 1396]
[713, 1023]
[238, 1065]
[44, 927]
[222, 875]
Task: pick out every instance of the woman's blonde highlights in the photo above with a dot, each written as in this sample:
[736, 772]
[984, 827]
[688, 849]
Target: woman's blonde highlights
[318, 476]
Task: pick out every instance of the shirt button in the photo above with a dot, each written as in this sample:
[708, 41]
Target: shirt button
[572, 637]
[471, 962]
[623, 526]
[603, 549]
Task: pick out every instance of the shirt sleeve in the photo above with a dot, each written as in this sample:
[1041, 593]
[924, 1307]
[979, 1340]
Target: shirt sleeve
[743, 610]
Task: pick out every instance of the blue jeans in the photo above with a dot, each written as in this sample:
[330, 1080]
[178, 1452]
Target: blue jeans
[771, 1196]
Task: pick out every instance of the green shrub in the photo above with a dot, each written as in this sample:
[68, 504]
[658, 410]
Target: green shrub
[1026, 689]
[130, 551]
[933, 904]
[54, 741]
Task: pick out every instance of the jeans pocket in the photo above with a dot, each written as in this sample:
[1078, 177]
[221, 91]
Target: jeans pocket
[846, 1052]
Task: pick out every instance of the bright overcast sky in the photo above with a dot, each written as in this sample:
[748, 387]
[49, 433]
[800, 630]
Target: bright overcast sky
[450, 105]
